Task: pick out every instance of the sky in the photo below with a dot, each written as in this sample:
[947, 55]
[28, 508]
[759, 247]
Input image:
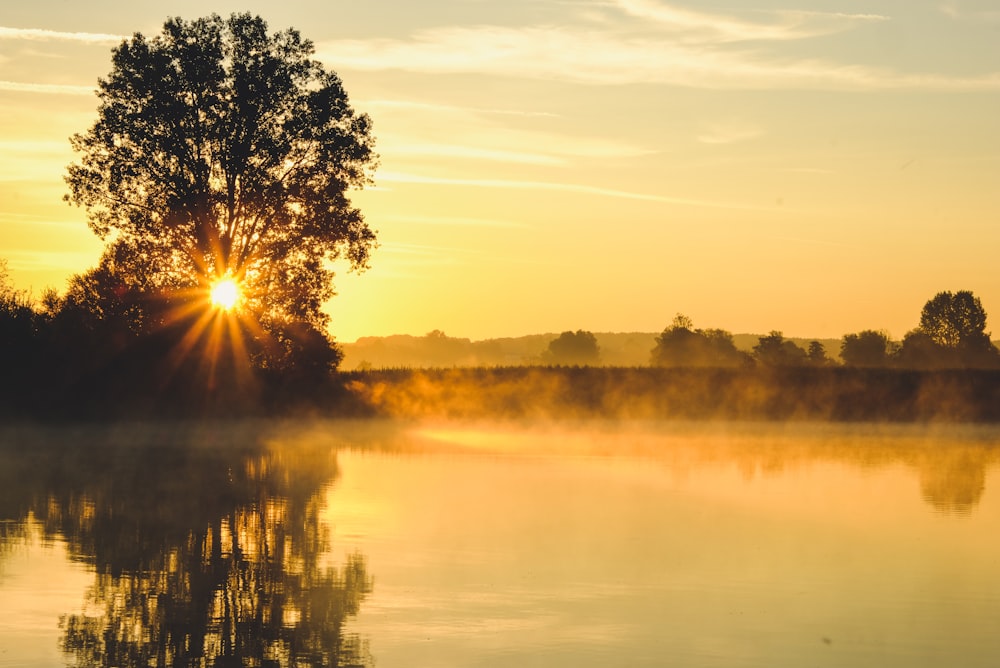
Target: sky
[817, 168]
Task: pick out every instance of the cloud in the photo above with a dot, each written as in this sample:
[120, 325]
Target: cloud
[601, 57]
[457, 221]
[960, 12]
[36, 260]
[405, 177]
[513, 146]
[701, 27]
[40, 34]
[48, 89]
[468, 152]
[450, 108]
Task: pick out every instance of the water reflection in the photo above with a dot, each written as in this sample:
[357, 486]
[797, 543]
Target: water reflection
[508, 544]
[950, 462]
[208, 545]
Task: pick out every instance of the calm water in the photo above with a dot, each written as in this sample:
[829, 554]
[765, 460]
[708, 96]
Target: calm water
[557, 545]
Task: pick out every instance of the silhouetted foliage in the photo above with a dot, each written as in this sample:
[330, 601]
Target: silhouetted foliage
[956, 326]
[919, 351]
[817, 354]
[573, 348]
[682, 346]
[222, 150]
[868, 348]
[954, 320]
[21, 345]
[775, 350]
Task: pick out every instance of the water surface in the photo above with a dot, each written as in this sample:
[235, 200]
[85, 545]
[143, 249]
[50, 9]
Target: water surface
[590, 544]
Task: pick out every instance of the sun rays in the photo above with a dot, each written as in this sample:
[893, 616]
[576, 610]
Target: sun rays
[217, 332]
[225, 293]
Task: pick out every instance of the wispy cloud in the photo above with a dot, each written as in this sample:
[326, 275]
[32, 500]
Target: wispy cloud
[649, 42]
[456, 221]
[34, 260]
[411, 105]
[48, 89]
[701, 27]
[959, 12]
[40, 34]
[581, 189]
[591, 56]
[468, 152]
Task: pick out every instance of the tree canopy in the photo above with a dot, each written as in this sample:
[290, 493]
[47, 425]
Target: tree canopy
[681, 345]
[224, 151]
[869, 348]
[573, 348]
[955, 320]
[775, 350]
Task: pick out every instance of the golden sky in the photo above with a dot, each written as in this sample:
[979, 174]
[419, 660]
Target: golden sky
[817, 168]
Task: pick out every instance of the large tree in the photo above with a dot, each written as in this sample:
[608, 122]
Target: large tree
[952, 333]
[955, 320]
[223, 151]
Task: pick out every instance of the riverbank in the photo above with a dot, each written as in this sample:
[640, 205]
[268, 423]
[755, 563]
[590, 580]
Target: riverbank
[544, 393]
[825, 394]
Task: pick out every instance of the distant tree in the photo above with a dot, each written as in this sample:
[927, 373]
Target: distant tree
[224, 151]
[775, 350]
[573, 348]
[919, 351]
[680, 345]
[954, 320]
[817, 354]
[868, 348]
[437, 349]
[956, 324]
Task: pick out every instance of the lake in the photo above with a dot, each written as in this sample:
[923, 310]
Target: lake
[473, 544]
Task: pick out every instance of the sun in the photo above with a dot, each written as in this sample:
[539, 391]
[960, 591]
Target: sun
[225, 294]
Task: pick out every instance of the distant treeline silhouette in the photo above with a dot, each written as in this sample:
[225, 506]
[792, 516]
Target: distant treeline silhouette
[951, 335]
[92, 354]
[947, 338]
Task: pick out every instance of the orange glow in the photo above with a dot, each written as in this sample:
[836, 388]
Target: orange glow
[225, 293]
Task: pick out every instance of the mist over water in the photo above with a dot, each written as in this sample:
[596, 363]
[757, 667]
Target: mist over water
[570, 543]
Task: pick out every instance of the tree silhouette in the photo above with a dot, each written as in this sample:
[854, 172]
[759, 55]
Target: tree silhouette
[954, 320]
[573, 348]
[221, 150]
[817, 354]
[680, 345]
[775, 350]
[952, 333]
[868, 348]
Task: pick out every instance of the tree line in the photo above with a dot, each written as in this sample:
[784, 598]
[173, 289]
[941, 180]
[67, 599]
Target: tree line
[951, 335]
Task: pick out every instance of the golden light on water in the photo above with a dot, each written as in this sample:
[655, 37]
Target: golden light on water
[225, 294]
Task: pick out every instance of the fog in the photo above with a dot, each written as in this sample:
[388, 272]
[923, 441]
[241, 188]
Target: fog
[837, 394]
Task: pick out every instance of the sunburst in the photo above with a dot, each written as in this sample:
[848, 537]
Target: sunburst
[225, 293]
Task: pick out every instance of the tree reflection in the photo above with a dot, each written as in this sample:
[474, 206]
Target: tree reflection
[209, 549]
[955, 485]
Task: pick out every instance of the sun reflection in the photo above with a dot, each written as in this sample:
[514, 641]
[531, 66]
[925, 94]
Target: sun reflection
[225, 293]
